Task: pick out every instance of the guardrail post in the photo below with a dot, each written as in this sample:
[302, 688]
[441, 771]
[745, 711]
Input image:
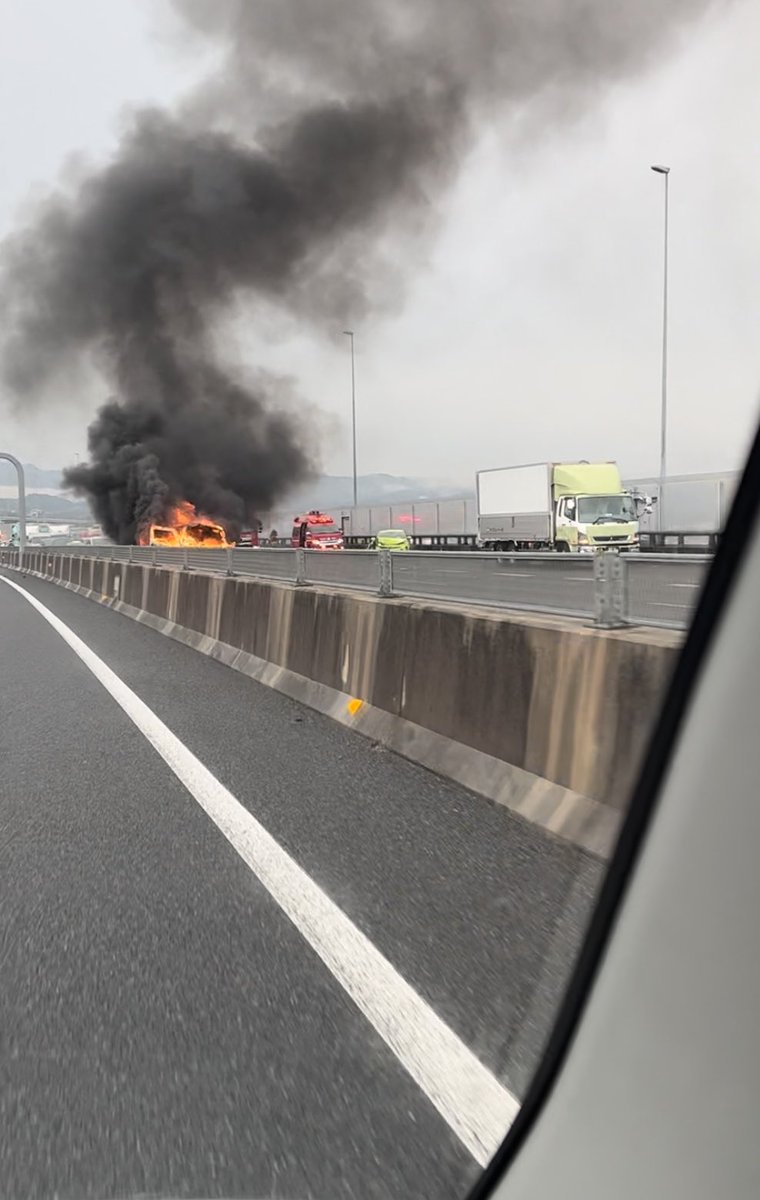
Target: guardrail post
[186, 564]
[131, 558]
[230, 563]
[385, 567]
[610, 590]
[154, 556]
[300, 579]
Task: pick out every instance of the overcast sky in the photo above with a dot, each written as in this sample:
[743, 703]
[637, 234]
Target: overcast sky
[533, 330]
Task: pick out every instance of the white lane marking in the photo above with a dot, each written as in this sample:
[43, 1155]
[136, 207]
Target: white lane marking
[440, 570]
[686, 585]
[516, 574]
[471, 1100]
[664, 604]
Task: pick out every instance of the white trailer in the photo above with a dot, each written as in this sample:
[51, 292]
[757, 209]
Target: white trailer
[515, 504]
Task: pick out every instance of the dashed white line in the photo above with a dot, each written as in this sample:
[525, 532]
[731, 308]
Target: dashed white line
[475, 1105]
[686, 585]
[449, 570]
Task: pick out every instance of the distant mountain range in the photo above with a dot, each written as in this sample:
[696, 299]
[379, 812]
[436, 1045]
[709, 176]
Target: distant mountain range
[34, 477]
[51, 508]
[327, 491]
[337, 491]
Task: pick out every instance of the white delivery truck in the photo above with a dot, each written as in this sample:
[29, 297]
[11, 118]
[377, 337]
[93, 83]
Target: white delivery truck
[42, 535]
[575, 506]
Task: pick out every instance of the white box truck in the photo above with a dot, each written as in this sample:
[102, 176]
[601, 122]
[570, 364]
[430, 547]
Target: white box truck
[43, 535]
[575, 507]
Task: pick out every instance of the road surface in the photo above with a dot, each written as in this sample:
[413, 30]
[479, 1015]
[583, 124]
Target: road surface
[659, 592]
[166, 1028]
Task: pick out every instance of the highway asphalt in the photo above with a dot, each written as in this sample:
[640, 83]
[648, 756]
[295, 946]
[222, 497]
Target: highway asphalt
[659, 592]
[165, 1029]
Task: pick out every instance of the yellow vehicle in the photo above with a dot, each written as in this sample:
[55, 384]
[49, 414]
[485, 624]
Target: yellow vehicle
[392, 539]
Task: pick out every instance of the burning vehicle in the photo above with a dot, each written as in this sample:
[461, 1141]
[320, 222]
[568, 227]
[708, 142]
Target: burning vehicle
[183, 526]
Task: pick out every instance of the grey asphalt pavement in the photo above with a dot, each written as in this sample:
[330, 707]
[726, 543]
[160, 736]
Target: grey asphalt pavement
[660, 592]
[164, 1029]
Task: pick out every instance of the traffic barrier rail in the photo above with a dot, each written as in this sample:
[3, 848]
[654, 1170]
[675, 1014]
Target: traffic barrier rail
[675, 541]
[613, 590]
[678, 541]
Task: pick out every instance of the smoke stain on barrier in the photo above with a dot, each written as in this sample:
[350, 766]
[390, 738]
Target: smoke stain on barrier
[264, 183]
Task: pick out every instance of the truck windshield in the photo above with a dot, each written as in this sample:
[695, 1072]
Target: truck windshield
[606, 508]
[321, 530]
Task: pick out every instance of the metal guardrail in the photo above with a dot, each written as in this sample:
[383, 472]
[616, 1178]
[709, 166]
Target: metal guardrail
[420, 541]
[676, 541]
[611, 589]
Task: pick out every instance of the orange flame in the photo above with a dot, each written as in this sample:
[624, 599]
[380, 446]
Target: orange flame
[183, 526]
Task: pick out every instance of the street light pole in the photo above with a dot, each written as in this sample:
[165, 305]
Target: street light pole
[350, 334]
[21, 500]
[664, 403]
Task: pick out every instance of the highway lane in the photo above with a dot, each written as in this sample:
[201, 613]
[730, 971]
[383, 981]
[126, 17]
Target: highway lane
[659, 592]
[168, 1029]
[552, 584]
[664, 593]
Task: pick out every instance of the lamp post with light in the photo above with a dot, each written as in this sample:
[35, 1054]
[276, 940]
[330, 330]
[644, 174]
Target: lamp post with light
[350, 334]
[665, 172]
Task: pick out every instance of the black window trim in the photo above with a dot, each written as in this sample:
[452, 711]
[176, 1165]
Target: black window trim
[712, 604]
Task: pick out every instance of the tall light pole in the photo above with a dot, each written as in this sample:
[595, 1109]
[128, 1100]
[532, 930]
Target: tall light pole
[350, 334]
[665, 171]
[21, 500]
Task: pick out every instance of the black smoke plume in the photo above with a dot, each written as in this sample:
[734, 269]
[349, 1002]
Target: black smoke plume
[328, 124]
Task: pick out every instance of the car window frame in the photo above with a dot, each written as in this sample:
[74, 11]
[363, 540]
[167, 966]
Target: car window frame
[711, 606]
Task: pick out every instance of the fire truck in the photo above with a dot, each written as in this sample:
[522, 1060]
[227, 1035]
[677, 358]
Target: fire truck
[251, 535]
[316, 530]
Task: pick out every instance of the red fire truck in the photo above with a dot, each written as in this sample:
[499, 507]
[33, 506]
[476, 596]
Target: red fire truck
[316, 530]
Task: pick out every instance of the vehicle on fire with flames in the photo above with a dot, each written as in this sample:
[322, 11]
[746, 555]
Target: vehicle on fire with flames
[572, 506]
[316, 530]
[198, 533]
[183, 525]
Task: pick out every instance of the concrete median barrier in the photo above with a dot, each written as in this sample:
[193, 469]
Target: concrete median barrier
[543, 714]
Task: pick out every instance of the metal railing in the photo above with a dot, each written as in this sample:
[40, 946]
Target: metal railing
[613, 590]
[678, 541]
[674, 541]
